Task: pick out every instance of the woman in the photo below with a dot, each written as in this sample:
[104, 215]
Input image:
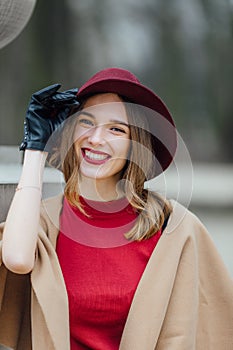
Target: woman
[109, 264]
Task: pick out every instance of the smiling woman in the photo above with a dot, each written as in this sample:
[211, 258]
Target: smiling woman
[108, 264]
[112, 157]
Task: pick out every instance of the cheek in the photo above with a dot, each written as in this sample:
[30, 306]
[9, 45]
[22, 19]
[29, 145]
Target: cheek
[79, 134]
[124, 148]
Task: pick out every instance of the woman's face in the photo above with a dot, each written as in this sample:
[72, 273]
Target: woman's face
[102, 137]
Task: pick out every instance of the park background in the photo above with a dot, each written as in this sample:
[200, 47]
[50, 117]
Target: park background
[182, 49]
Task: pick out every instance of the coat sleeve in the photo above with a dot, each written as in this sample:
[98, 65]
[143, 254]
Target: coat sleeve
[26, 300]
[14, 307]
[200, 310]
[215, 309]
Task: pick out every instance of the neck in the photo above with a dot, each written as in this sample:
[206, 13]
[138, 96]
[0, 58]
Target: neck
[99, 190]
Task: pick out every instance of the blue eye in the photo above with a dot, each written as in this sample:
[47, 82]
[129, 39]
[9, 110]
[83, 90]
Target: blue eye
[85, 121]
[118, 130]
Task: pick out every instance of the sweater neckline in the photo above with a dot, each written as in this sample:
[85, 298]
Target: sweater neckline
[102, 208]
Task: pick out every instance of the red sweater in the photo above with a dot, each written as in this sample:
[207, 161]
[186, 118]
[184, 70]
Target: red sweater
[100, 282]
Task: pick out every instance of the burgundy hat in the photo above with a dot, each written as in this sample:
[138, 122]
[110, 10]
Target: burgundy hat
[126, 84]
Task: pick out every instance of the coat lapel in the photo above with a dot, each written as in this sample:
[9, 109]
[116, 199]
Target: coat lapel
[50, 302]
[147, 312]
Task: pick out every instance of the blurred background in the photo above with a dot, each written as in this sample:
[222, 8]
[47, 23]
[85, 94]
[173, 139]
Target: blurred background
[182, 49]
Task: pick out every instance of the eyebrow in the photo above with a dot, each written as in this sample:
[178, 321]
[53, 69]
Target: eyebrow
[117, 121]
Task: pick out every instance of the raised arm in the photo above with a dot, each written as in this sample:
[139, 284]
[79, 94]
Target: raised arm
[47, 110]
[21, 227]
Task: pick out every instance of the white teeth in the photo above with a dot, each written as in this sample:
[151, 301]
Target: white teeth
[95, 156]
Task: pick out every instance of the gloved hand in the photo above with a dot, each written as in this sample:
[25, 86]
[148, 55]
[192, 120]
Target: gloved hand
[47, 109]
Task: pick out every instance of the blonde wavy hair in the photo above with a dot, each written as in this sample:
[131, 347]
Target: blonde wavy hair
[153, 210]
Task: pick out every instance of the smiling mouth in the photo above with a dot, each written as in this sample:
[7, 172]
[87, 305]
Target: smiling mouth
[94, 157]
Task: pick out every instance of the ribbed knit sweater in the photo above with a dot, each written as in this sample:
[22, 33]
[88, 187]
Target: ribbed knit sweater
[101, 270]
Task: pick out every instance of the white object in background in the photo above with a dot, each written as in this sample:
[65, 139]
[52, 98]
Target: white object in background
[14, 15]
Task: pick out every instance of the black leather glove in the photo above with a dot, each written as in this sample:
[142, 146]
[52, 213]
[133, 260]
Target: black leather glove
[47, 109]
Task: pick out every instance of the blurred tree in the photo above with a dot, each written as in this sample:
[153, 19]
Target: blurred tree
[219, 41]
[51, 45]
[39, 57]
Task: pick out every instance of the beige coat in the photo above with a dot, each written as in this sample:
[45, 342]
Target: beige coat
[184, 299]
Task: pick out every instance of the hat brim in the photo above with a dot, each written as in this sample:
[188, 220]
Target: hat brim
[135, 92]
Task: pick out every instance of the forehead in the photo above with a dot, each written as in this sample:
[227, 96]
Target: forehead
[105, 105]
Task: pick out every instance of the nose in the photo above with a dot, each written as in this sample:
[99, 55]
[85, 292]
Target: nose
[96, 136]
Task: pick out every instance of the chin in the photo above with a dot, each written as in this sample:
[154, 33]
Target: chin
[100, 175]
